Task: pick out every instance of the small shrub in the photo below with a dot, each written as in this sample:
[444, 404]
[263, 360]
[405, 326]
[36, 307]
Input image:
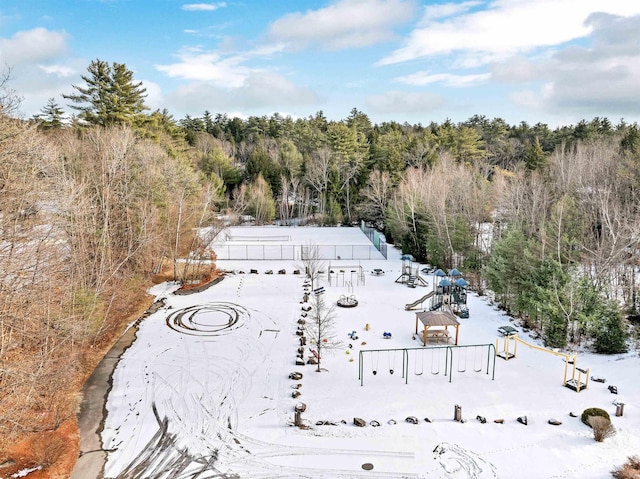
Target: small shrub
[629, 470]
[594, 411]
[602, 428]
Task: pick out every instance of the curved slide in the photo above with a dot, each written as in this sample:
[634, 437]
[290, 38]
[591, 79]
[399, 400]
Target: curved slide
[410, 306]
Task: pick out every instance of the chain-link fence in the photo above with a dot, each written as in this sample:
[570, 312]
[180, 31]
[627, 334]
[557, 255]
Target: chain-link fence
[375, 237]
[295, 252]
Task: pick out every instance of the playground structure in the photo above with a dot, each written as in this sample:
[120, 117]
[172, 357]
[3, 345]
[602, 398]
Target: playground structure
[410, 275]
[435, 325]
[349, 275]
[434, 359]
[576, 381]
[449, 294]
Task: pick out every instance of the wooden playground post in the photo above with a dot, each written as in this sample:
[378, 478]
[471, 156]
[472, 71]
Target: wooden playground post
[505, 354]
[573, 383]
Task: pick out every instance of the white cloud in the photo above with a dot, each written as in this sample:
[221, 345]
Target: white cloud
[38, 45]
[154, 99]
[602, 79]
[343, 24]
[208, 66]
[398, 102]
[213, 66]
[443, 10]
[518, 69]
[260, 90]
[37, 84]
[426, 78]
[41, 67]
[268, 89]
[560, 58]
[61, 71]
[203, 7]
[506, 27]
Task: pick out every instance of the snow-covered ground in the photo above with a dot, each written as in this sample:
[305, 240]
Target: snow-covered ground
[205, 392]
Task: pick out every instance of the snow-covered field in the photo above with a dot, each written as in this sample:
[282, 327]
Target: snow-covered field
[205, 392]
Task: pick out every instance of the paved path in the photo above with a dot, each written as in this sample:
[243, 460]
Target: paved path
[90, 464]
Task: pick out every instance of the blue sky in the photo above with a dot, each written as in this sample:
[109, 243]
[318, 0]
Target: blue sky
[550, 61]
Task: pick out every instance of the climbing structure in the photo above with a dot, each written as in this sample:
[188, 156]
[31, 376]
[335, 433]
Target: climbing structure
[450, 293]
[410, 276]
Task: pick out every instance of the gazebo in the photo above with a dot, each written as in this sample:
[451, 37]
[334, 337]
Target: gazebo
[435, 325]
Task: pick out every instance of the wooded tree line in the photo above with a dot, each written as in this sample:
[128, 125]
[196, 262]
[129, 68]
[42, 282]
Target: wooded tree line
[547, 219]
[87, 213]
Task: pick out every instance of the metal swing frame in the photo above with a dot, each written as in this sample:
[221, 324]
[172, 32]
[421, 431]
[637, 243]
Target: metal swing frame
[450, 350]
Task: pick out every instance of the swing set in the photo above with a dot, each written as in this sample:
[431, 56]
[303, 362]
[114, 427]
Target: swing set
[434, 359]
[576, 382]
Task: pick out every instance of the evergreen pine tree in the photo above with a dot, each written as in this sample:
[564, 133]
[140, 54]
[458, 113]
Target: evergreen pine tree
[110, 95]
[534, 156]
[51, 116]
[610, 334]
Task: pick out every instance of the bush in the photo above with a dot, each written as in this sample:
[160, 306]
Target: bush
[594, 411]
[629, 470]
[602, 428]
[611, 334]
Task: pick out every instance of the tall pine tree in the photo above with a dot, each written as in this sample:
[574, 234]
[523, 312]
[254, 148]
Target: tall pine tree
[110, 95]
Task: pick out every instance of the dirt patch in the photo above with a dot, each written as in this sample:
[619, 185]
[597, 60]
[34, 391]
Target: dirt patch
[54, 452]
[199, 287]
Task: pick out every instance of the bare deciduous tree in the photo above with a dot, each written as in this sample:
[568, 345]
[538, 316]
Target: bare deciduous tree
[9, 99]
[317, 175]
[320, 327]
[376, 194]
[312, 263]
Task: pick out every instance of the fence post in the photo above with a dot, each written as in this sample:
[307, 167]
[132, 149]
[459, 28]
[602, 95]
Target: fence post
[405, 360]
